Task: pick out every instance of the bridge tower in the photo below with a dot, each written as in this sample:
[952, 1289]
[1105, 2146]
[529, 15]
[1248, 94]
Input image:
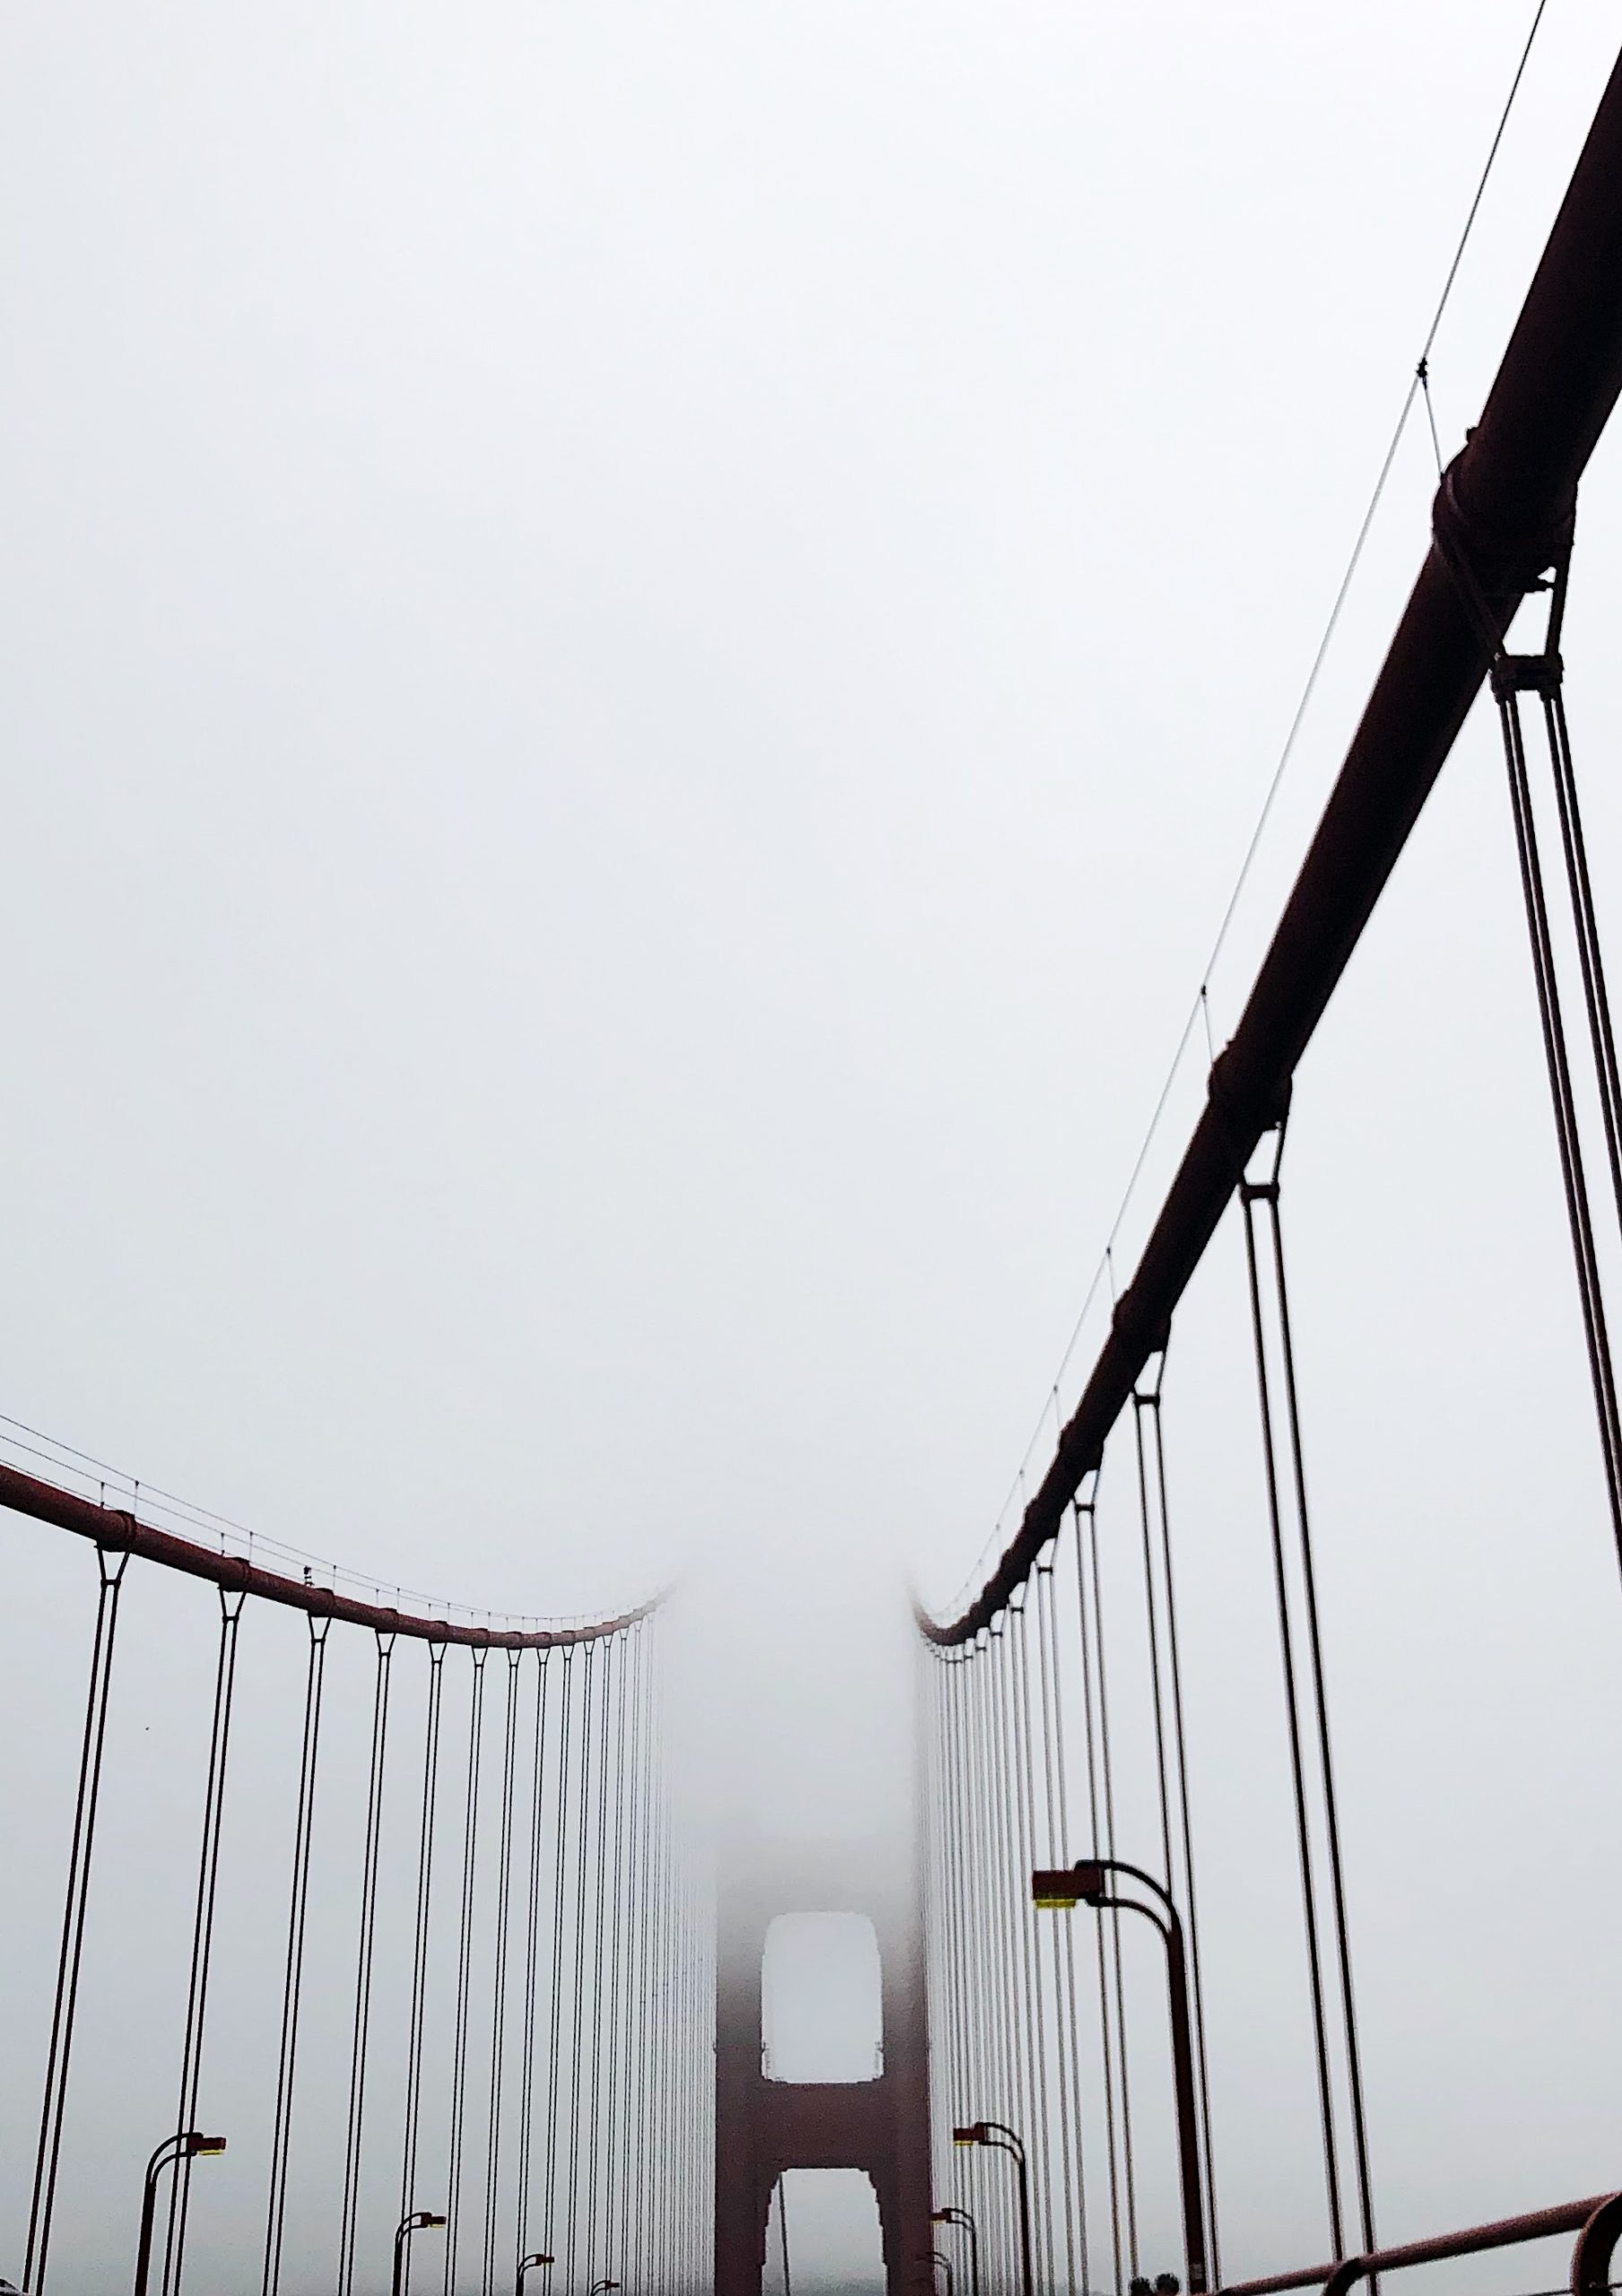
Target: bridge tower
[763, 2126]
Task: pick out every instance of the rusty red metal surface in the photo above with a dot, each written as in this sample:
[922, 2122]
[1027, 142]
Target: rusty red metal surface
[1502, 512]
[1474, 2239]
[119, 1531]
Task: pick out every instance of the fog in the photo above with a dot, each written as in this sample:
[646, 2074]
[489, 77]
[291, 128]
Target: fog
[641, 649]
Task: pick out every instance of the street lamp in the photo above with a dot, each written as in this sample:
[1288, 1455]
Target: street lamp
[525, 2265]
[601, 2287]
[1000, 2139]
[420, 2220]
[1087, 1883]
[961, 2218]
[189, 2145]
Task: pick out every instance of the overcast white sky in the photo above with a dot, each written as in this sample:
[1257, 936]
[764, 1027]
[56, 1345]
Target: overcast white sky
[640, 646]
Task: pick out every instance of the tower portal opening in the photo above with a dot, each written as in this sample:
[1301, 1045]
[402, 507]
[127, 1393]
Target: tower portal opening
[821, 2014]
[823, 2235]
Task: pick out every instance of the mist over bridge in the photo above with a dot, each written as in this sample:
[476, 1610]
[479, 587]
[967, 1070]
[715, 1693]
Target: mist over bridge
[522, 2000]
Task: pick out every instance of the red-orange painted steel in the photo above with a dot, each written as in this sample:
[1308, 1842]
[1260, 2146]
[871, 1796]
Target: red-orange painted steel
[114, 1528]
[1502, 513]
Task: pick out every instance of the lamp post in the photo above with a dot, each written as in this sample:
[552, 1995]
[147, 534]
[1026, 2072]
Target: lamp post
[961, 2218]
[1088, 1883]
[524, 2266]
[188, 2144]
[420, 2220]
[601, 2287]
[1000, 2138]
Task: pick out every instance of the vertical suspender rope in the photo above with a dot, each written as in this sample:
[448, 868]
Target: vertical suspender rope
[231, 1600]
[629, 2165]
[1142, 1403]
[659, 2144]
[419, 1954]
[1064, 1935]
[950, 1873]
[293, 1982]
[670, 2118]
[1042, 2134]
[1002, 1952]
[940, 1991]
[581, 1867]
[965, 2103]
[1331, 2169]
[364, 1964]
[111, 1566]
[986, 2195]
[498, 2012]
[1023, 1858]
[554, 2058]
[1100, 1805]
[458, 2068]
[594, 2148]
[615, 2179]
[1511, 673]
[1266, 1193]
[1180, 1740]
[532, 1954]
[642, 2235]
[666, 2057]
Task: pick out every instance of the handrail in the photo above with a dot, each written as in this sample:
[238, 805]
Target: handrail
[1507, 2231]
[113, 1528]
[1502, 513]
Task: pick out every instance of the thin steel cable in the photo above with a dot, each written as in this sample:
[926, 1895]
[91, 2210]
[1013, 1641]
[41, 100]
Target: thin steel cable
[560, 1879]
[1140, 1404]
[458, 2059]
[1004, 1961]
[641, 2235]
[293, 1983]
[1309, 1898]
[64, 2005]
[202, 1929]
[615, 2179]
[583, 1872]
[1199, 1010]
[1057, 1855]
[955, 1872]
[1085, 1524]
[1040, 2085]
[1584, 923]
[1586, 926]
[498, 2007]
[990, 2198]
[532, 1959]
[1320, 1710]
[370, 1868]
[421, 1937]
[1573, 1171]
[1069, 1961]
[632, 2056]
[953, 1665]
[1008, 1894]
[595, 2124]
[1179, 1739]
[1107, 1776]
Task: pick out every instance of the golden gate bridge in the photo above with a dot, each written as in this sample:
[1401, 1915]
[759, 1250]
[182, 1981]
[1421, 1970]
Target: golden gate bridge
[538, 2003]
